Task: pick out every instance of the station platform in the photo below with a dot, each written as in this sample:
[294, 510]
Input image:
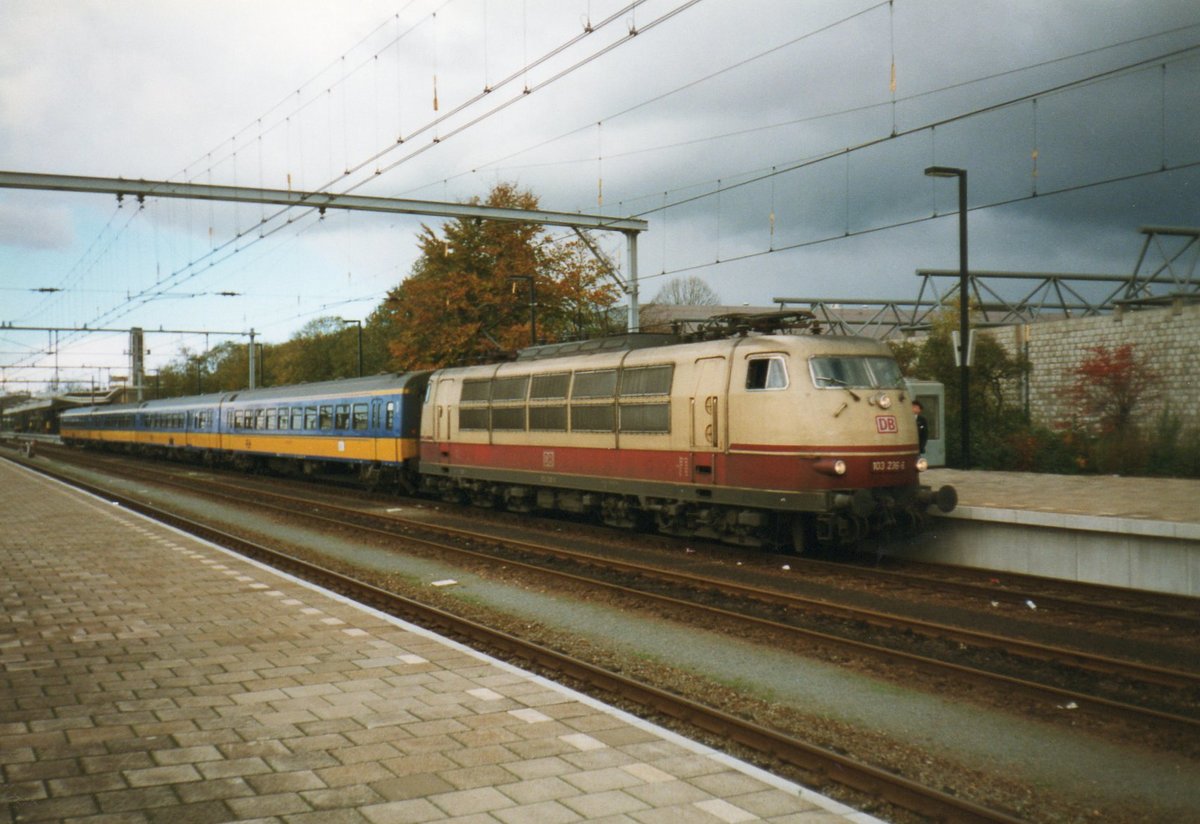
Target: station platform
[1136, 533]
[147, 676]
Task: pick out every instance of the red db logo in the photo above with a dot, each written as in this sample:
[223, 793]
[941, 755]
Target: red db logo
[886, 424]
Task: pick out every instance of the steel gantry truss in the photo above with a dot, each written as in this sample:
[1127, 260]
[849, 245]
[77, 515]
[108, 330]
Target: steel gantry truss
[1052, 294]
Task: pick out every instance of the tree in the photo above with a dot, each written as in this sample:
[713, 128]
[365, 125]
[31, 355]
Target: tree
[325, 348]
[461, 302]
[690, 291]
[992, 420]
[1110, 384]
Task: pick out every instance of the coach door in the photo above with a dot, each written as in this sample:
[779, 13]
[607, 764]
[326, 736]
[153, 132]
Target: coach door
[385, 440]
[707, 410]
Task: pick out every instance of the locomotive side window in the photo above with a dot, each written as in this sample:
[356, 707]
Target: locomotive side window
[596, 418]
[550, 387]
[510, 418]
[766, 373]
[473, 417]
[509, 389]
[599, 384]
[473, 414]
[509, 393]
[476, 390]
[548, 418]
[647, 380]
[646, 417]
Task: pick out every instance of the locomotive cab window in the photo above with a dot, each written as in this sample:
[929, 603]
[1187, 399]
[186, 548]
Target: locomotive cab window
[766, 373]
[856, 372]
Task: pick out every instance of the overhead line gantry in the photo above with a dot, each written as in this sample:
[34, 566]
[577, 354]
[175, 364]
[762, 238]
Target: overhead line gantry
[321, 201]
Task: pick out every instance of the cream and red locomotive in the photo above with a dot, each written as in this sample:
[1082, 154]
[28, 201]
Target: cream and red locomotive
[754, 439]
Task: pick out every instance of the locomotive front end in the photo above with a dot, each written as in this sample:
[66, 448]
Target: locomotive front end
[861, 415]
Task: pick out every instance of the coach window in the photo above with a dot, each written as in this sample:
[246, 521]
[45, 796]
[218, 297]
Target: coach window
[360, 416]
[310, 417]
[341, 416]
[326, 417]
[283, 417]
[272, 419]
[297, 418]
[766, 373]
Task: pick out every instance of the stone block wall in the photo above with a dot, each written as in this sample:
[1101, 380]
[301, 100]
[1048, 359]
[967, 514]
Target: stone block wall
[1167, 338]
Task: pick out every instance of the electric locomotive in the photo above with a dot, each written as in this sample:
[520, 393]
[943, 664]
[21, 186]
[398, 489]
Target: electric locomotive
[752, 439]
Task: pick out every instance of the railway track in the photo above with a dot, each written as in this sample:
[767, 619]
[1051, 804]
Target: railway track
[782, 615]
[929, 803]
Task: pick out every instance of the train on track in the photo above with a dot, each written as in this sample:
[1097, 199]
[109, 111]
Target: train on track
[759, 436]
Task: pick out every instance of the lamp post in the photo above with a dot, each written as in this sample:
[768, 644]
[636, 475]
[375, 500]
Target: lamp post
[359, 324]
[964, 321]
[532, 305]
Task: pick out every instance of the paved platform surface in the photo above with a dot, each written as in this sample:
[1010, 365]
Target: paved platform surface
[146, 676]
[1157, 499]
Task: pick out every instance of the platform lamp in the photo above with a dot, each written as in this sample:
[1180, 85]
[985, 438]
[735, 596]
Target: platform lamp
[964, 320]
[359, 324]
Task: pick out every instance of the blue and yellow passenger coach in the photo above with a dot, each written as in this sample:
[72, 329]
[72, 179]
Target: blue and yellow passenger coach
[369, 426]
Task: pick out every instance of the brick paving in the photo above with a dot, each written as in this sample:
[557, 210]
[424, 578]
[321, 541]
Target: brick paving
[149, 677]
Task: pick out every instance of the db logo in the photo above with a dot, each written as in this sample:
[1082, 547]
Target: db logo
[886, 424]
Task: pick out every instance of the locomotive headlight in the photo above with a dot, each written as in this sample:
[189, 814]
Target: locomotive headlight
[828, 466]
[883, 400]
[922, 464]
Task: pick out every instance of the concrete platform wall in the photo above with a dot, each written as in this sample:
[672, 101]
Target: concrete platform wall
[1123, 552]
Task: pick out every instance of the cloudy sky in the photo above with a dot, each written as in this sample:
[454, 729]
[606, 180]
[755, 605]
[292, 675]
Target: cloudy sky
[776, 147]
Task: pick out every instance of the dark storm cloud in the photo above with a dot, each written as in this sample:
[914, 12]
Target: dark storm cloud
[684, 123]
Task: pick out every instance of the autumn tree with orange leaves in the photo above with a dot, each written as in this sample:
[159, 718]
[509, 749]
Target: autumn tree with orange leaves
[459, 304]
